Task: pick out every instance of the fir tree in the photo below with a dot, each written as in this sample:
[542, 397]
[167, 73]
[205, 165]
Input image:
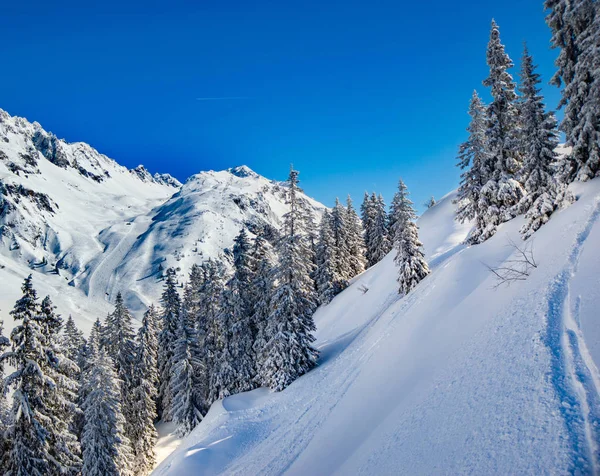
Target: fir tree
[367, 214]
[106, 449]
[356, 242]
[502, 191]
[120, 345]
[289, 352]
[576, 32]
[145, 391]
[473, 160]
[4, 408]
[223, 378]
[409, 253]
[73, 342]
[326, 272]
[401, 211]
[187, 378]
[539, 139]
[166, 344]
[341, 252]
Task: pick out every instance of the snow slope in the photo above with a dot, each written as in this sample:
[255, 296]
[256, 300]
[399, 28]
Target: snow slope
[457, 377]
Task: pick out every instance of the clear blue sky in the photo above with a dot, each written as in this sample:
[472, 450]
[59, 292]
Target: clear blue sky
[354, 93]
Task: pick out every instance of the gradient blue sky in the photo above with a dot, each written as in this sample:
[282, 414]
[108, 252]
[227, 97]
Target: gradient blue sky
[354, 93]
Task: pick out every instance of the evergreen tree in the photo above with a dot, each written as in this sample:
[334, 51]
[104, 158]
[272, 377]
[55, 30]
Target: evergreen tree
[4, 408]
[106, 449]
[380, 244]
[39, 436]
[502, 191]
[401, 211]
[73, 342]
[409, 250]
[473, 159]
[356, 242]
[539, 139]
[243, 328]
[262, 291]
[341, 251]
[166, 344]
[223, 377]
[326, 272]
[120, 345]
[145, 391]
[187, 378]
[576, 32]
[367, 214]
[289, 352]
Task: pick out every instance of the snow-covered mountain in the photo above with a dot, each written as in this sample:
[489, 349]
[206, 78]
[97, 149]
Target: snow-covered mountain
[88, 227]
[457, 377]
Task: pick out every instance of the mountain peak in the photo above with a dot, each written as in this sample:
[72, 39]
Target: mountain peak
[242, 171]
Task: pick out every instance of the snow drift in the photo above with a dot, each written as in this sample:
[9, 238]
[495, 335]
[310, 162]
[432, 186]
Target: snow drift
[456, 377]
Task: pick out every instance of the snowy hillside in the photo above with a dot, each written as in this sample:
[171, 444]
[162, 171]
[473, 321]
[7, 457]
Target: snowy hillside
[457, 377]
[88, 227]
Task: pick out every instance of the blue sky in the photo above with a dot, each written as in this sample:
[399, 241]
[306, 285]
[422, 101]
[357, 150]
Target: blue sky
[355, 94]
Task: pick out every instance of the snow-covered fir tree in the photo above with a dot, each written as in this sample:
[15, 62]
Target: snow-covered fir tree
[356, 242]
[378, 238]
[430, 203]
[187, 381]
[171, 303]
[144, 393]
[243, 328]
[39, 437]
[401, 211]
[262, 291]
[119, 339]
[223, 377]
[474, 161]
[4, 408]
[410, 259]
[289, 352]
[502, 191]
[576, 33]
[73, 342]
[341, 251]
[326, 273]
[539, 139]
[106, 449]
[367, 215]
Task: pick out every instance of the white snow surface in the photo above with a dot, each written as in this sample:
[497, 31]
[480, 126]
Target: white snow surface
[456, 377]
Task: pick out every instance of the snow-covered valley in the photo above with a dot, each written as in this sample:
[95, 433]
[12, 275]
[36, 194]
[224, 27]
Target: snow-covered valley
[457, 377]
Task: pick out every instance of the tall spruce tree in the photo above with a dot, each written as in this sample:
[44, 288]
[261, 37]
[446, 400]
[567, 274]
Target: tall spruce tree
[326, 273]
[576, 33]
[106, 449]
[473, 160]
[412, 267]
[380, 244]
[187, 378]
[502, 191]
[401, 211]
[356, 242]
[289, 353]
[171, 303]
[341, 251]
[4, 408]
[223, 378]
[144, 393]
[73, 342]
[367, 214]
[119, 340]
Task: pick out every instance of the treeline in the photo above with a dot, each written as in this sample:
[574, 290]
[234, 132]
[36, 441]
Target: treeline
[510, 164]
[89, 405]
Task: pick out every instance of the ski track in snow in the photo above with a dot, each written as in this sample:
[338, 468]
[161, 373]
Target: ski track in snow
[573, 374]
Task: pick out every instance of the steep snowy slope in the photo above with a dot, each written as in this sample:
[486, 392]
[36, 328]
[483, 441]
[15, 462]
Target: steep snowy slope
[456, 377]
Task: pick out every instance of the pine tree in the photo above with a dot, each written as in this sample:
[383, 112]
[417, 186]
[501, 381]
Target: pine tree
[106, 449]
[409, 250]
[473, 160]
[166, 344]
[356, 242]
[144, 393]
[326, 272]
[576, 32]
[120, 345]
[401, 211]
[539, 139]
[289, 353]
[341, 252]
[243, 328]
[187, 380]
[367, 214]
[262, 291]
[502, 191]
[380, 244]
[73, 342]
[223, 378]
[39, 435]
[4, 408]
